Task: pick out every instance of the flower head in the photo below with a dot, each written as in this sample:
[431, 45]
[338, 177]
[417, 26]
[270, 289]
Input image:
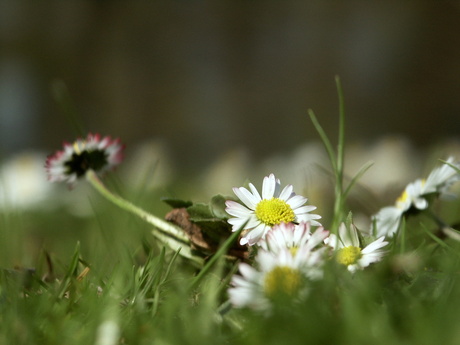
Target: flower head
[21, 182]
[387, 220]
[276, 276]
[292, 236]
[93, 153]
[350, 252]
[261, 213]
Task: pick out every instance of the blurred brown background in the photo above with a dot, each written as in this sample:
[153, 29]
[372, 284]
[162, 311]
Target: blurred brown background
[206, 77]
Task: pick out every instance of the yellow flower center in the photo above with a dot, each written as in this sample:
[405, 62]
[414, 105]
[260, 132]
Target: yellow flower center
[402, 198]
[282, 281]
[349, 255]
[293, 250]
[274, 211]
[76, 147]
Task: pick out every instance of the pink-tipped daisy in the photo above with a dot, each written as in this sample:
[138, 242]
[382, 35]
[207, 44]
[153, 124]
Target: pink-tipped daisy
[96, 153]
[292, 236]
[281, 276]
[260, 213]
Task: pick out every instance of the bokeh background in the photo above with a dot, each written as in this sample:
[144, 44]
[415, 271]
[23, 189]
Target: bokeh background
[206, 77]
[208, 94]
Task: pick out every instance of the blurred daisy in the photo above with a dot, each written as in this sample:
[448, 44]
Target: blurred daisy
[93, 153]
[387, 220]
[279, 276]
[349, 251]
[292, 236]
[23, 182]
[261, 213]
[299, 241]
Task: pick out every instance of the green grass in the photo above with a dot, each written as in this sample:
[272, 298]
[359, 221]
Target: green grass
[63, 277]
[104, 278]
[143, 289]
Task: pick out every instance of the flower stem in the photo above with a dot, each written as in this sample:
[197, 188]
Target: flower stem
[339, 194]
[160, 224]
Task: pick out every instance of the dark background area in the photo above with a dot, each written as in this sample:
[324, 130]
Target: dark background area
[207, 77]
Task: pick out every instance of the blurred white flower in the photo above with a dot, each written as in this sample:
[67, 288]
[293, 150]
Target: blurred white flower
[292, 236]
[23, 181]
[281, 276]
[388, 219]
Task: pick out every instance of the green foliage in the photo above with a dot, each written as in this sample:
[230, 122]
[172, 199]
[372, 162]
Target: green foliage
[108, 279]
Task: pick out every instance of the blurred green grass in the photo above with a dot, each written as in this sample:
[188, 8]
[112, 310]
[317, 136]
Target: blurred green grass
[129, 286]
[85, 272]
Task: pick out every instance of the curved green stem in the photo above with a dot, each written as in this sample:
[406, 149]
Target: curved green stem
[160, 224]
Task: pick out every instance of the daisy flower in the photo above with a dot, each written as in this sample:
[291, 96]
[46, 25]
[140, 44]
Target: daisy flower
[292, 236]
[388, 219]
[349, 251]
[278, 276]
[93, 153]
[261, 213]
[21, 182]
[299, 241]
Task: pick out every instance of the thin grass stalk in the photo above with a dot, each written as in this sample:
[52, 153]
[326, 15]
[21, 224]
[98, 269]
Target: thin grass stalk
[339, 195]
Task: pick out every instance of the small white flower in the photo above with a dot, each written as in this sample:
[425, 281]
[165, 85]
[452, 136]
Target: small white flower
[277, 275]
[23, 182]
[388, 219]
[349, 251]
[261, 213]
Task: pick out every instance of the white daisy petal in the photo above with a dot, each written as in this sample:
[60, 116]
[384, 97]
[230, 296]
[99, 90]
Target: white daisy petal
[286, 193]
[304, 209]
[377, 244]
[387, 221]
[269, 187]
[235, 209]
[255, 192]
[296, 201]
[246, 197]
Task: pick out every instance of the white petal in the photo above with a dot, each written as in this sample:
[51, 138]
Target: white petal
[246, 197]
[296, 201]
[304, 209]
[236, 209]
[287, 193]
[420, 203]
[253, 236]
[387, 221]
[379, 243]
[255, 192]
[268, 187]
